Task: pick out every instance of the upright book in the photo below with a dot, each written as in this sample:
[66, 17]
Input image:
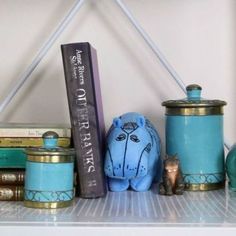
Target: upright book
[86, 113]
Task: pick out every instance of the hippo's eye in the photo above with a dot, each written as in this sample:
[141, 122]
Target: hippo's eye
[134, 138]
[148, 148]
[121, 137]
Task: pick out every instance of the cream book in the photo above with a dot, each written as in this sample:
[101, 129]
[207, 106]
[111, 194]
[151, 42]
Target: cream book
[33, 130]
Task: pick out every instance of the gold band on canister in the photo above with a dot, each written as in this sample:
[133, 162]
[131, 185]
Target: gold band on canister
[194, 111]
[50, 159]
[47, 205]
[204, 187]
[194, 106]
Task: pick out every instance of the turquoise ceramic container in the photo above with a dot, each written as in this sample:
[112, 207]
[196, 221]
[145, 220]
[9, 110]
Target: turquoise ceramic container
[194, 131]
[231, 168]
[49, 175]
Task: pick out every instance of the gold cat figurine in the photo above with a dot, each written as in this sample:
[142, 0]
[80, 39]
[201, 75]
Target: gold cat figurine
[172, 178]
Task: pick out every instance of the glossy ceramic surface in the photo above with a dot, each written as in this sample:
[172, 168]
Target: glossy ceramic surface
[231, 168]
[197, 139]
[49, 176]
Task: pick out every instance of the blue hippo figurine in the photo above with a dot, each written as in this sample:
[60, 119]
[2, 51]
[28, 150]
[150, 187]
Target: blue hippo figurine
[132, 154]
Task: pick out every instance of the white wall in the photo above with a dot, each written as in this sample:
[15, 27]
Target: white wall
[197, 37]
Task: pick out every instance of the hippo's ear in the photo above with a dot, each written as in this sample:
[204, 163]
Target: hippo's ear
[141, 121]
[117, 122]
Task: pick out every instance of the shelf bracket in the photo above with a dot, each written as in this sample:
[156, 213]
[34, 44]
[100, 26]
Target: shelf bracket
[42, 52]
[156, 50]
[61, 27]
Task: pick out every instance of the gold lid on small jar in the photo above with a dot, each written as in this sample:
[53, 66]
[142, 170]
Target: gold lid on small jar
[50, 153]
[194, 105]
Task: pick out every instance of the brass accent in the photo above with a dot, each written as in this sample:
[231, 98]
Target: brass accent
[193, 87]
[50, 152]
[50, 158]
[194, 111]
[193, 103]
[47, 205]
[204, 187]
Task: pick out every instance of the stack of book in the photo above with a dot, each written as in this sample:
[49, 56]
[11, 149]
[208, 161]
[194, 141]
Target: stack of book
[14, 138]
[11, 184]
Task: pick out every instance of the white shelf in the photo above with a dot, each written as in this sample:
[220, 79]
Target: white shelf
[204, 212]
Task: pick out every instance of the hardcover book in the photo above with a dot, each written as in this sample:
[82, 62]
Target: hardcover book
[16, 177]
[11, 193]
[12, 177]
[32, 130]
[12, 158]
[30, 142]
[86, 113]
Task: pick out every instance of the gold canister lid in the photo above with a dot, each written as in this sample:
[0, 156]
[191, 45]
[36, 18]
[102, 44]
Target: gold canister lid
[194, 104]
[50, 153]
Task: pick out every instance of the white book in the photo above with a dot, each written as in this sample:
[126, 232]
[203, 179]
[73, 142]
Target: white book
[33, 130]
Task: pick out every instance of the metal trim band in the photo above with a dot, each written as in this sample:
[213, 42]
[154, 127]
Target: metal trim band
[47, 205]
[50, 159]
[204, 187]
[34, 151]
[194, 103]
[194, 111]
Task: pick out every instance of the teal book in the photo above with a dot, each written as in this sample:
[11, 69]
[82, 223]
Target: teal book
[12, 158]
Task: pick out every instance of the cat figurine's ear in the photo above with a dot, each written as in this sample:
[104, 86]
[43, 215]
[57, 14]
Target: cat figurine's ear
[141, 121]
[165, 157]
[176, 156]
[117, 122]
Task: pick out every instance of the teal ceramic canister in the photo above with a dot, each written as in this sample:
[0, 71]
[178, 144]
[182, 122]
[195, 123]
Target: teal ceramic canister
[231, 168]
[194, 131]
[49, 175]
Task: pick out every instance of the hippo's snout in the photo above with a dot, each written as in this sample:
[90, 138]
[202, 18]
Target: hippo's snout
[134, 171]
[126, 167]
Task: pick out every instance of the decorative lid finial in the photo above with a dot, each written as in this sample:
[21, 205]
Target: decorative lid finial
[50, 139]
[194, 91]
[193, 87]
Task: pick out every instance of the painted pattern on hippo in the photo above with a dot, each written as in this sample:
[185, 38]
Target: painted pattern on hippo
[133, 153]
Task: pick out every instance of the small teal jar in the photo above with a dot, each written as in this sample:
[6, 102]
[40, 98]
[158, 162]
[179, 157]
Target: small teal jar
[49, 175]
[194, 131]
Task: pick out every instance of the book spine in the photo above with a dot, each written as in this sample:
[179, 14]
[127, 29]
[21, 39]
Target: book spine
[12, 177]
[33, 132]
[12, 158]
[17, 177]
[11, 193]
[87, 126]
[30, 142]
